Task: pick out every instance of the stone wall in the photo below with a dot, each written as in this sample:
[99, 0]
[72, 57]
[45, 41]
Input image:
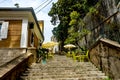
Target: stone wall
[104, 22]
[8, 54]
[105, 55]
[13, 68]
[32, 50]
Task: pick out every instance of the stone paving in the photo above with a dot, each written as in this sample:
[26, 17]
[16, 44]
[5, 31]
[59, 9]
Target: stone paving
[63, 68]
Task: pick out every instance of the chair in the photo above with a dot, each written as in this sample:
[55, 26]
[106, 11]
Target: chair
[50, 55]
[83, 57]
[75, 57]
[68, 54]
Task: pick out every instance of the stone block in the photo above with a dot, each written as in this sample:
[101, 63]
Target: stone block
[114, 67]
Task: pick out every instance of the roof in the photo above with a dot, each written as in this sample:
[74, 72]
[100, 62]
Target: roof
[21, 11]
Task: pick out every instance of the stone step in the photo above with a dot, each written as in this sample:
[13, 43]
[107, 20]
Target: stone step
[64, 62]
[61, 65]
[63, 72]
[62, 68]
[53, 73]
[64, 78]
[37, 78]
[69, 66]
[62, 75]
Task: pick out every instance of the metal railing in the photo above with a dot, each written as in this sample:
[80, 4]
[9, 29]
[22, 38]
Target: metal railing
[105, 30]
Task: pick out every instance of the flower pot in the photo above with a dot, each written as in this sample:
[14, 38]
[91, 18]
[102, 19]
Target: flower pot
[43, 61]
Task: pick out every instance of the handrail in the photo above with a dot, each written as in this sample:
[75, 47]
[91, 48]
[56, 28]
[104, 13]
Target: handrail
[99, 31]
[105, 20]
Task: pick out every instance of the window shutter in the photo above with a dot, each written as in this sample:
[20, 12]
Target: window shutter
[4, 30]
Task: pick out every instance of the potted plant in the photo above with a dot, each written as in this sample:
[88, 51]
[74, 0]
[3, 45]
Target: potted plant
[42, 55]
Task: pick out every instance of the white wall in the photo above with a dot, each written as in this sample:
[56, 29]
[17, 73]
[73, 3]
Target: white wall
[24, 33]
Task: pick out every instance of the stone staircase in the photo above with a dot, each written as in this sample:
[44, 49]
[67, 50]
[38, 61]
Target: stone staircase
[63, 68]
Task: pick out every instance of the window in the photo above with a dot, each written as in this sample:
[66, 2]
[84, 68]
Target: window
[3, 29]
[32, 40]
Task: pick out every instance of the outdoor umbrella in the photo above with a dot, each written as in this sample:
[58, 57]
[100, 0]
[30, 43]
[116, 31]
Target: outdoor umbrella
[49, 44]
[69, 46]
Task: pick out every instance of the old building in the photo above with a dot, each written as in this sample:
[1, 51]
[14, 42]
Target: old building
[19, 28]
[19, 33]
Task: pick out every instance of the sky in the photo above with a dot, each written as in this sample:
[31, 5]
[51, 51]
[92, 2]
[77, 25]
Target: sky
[41, 15]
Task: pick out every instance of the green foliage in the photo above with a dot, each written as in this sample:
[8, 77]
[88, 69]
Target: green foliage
[69, 40]
[93, 10]
[70, 14]
[53, 14]
[74, 15]
[42, 53]
[91, 2]
[73, 22]
[108, 78]
[85, 31]
[81, 23]
[77, 5]
[76, 31]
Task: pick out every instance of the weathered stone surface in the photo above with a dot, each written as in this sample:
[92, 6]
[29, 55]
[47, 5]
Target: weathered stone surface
[8, 54]
[114, 67]
[63, 68]
[15, 61]
[12, 70]
[108, 59]
[105, 24]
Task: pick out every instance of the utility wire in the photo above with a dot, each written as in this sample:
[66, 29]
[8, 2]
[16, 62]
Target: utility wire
[41, 4]
[44, 6]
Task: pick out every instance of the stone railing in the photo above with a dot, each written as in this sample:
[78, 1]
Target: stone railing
[9, 54]
[105, 55]
[12, 69]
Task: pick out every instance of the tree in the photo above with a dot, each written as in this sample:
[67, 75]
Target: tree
[77, 31]
[60, 12]
[69, 13]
